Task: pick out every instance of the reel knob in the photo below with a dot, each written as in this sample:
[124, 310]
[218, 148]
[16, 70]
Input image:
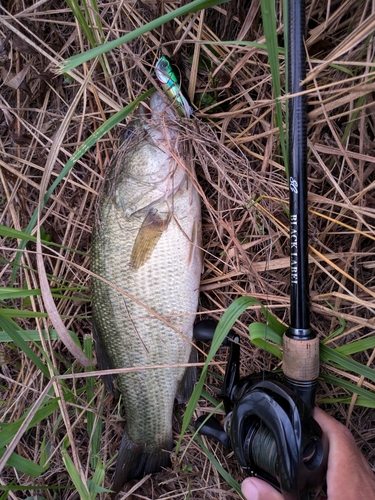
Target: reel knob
[204, 330]
[212, 428]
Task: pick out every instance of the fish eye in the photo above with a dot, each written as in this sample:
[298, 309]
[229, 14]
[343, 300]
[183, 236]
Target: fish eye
[163, 64]
[129, 131]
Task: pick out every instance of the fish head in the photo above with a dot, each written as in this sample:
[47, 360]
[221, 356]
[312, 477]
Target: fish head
[149, 169]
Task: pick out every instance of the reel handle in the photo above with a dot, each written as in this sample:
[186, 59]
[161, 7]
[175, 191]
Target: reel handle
[213, 429]
[204, 330]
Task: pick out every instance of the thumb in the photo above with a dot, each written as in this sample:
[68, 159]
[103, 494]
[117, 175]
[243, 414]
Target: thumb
[256, 489]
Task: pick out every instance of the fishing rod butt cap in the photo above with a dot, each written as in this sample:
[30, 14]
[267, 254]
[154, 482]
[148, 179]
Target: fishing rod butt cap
[301, 358]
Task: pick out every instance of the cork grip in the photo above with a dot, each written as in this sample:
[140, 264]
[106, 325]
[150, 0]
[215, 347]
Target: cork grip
[301, 359]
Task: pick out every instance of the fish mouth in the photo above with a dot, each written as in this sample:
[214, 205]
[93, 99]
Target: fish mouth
[158, 118]
[161, 107]
[146, 113]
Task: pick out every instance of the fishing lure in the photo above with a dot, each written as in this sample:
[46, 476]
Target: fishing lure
[170, 83]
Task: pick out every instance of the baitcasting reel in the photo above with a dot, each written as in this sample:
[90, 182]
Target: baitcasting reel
[270, 429]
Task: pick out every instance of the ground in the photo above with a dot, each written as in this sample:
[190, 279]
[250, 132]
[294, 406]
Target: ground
[234, 143]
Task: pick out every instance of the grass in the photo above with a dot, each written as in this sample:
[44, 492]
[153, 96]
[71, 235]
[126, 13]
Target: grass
[60, 431]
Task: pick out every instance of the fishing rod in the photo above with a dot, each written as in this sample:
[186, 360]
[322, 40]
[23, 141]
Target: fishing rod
[269, 423]
[301, 346]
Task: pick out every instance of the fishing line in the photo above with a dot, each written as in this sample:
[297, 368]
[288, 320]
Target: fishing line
[268, 255]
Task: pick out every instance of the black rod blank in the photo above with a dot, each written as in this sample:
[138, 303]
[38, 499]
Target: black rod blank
[299, 295]
[301, 347]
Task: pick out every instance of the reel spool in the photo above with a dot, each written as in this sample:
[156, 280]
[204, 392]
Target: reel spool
[270, 429]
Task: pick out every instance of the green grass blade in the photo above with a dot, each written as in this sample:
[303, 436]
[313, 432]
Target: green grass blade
[33, 335]
[12, 329]
[259, 332]
[8, 430]
[94, 423]
[331, 356]
[90, 25]
[274, 324]
[94, 484]
[45, 451]
[95, 488]
[269, 26]
[91, 141]
[19, 313]
[355, 389]
[360, 401]
[23, 465]
[339, 330]
[75, 477]
[99, 26]
[357, 346]
[334, 334]
[359, 103]
[225, 324]
[78, 14]
[30, 487]
[8, 292]
[206, 395]
[8, 232]
[97, 478]
[79, 59]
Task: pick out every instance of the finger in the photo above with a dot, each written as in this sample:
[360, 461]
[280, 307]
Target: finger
[256, 489]
[327, 423]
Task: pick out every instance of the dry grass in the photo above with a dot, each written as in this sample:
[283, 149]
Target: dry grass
[244, 192]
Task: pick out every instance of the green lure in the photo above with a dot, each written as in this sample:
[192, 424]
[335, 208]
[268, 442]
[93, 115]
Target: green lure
[172, 87]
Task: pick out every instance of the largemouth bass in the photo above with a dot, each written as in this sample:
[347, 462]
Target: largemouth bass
[146, 242]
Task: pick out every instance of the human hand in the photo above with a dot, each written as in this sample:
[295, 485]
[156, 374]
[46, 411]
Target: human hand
[349, 475]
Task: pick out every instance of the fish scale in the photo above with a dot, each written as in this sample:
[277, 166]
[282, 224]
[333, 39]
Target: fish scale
[133, 215]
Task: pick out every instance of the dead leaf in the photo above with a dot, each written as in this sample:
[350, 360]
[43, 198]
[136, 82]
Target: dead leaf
[52, 311]
[15, 80]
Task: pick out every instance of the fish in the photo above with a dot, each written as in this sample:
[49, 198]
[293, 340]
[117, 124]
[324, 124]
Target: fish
[147, 258]
[172, 87]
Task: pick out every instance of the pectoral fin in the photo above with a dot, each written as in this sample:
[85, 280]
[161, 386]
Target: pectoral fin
[149, 234]
[195, 243]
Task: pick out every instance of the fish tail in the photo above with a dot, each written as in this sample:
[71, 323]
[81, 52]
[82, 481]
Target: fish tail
[135, 461]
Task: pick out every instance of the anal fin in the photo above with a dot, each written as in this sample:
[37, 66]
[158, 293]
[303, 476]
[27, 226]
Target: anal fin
[104, 362]
[189, 379]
